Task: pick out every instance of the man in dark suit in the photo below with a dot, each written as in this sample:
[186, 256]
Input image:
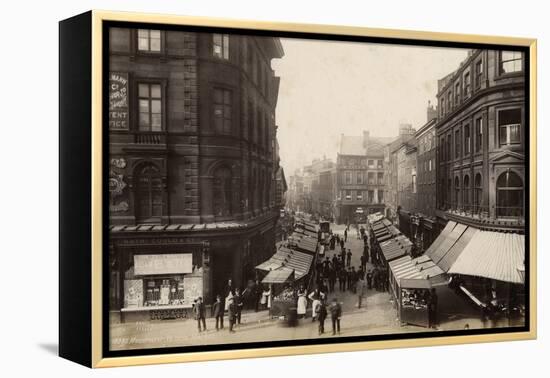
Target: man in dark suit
[238, 298]
[331, 278]
[342, 278]
[200, 314]
[321, 312]
[363, 260]
[231, 314]
[335, 315]
[432, 308]
[217, 312]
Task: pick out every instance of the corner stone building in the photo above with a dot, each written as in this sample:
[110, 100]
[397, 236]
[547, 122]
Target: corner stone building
[192, 139]
[482, 135]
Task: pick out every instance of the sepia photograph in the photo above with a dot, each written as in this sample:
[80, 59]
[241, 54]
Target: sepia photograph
[269, 187]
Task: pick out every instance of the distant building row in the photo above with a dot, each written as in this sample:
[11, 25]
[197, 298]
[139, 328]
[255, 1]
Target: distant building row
[466, 163]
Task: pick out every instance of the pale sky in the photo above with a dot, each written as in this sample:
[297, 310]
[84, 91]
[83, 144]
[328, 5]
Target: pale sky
[328, 88]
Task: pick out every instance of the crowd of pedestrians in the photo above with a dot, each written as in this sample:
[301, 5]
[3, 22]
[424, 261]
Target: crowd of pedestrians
[334, 273]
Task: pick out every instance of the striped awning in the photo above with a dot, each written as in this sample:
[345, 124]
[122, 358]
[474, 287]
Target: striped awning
[420, 268]
[403, 267]
[441, 238]
[494, 255]
[450, 240]
[375, 217]
[430, 271]
[303, 243]
[392, 249]
[450, 257]
[299, 262]
[279, 275]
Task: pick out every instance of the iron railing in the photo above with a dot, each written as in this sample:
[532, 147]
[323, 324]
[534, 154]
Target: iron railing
[481, 212]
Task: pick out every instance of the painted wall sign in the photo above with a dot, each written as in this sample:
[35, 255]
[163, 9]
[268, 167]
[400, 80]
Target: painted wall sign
[118, 101]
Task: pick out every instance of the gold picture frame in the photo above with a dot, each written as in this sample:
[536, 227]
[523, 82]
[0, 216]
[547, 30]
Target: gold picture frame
[95, 20]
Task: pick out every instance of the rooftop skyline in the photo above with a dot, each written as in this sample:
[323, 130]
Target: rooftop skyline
[329, 88]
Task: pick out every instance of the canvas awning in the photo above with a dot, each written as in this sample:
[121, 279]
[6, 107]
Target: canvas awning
[450, 257]
[394, 230]
[441, 238]
[305, 232]
[375, 217]
[378, 226]
[493, 255]
[299, 262]
[420, 268]
[392, 249]
[430, 271]
[279, 275]
[450, 240]
[403, 267]
[304, 244]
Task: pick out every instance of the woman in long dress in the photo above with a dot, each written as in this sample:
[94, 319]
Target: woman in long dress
[302, 302]
[266, 298]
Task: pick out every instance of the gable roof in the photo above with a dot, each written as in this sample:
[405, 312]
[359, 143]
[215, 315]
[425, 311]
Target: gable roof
[352, 145]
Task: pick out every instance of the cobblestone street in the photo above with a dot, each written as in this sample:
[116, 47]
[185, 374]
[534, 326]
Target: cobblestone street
[376, 316]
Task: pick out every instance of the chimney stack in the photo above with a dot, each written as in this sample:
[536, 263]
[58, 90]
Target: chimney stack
[366, 136]
[431, 112]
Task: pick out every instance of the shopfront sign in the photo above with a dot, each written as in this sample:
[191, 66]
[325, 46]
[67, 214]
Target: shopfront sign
[175, 263]
[118, 101]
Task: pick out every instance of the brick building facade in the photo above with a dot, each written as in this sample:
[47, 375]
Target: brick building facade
[360, 178]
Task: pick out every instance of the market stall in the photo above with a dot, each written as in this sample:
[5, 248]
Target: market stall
[286, 269]
[303, 244]
[284, 296]
[406, 282]
[410, 282]
[414, 301]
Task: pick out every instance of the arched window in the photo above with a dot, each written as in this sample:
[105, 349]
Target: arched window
[509, 195]
[457, 192]
[148, 194]
[222, 192]
[466, 192]
[477, 193]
